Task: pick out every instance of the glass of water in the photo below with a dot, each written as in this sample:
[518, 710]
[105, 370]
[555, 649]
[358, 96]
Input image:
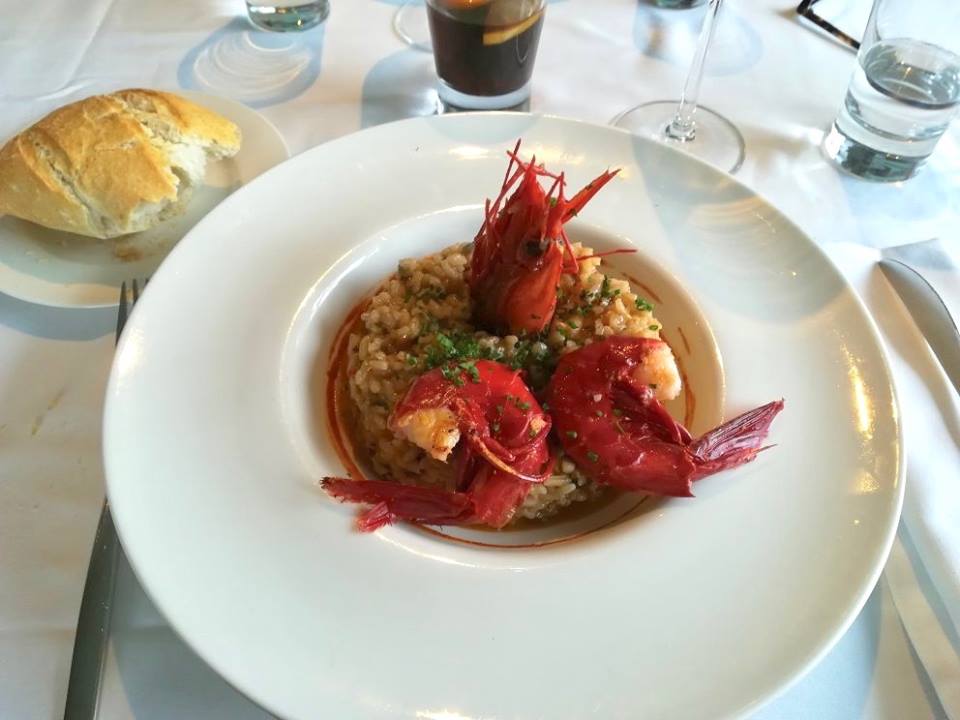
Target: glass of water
[287, 15]
[904, 91]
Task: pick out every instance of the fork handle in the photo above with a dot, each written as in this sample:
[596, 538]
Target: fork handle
[93, 623]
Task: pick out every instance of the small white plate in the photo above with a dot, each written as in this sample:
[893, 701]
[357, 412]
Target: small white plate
[61, 269]
[689, 608]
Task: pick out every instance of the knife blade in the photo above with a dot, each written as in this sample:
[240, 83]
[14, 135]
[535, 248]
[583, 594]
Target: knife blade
[929, 312]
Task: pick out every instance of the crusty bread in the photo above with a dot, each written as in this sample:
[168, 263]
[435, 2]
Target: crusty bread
[112, 164]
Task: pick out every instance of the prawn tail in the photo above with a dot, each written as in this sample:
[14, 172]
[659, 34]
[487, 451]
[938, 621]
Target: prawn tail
[375, 518]
[736, 442]
[392, 501]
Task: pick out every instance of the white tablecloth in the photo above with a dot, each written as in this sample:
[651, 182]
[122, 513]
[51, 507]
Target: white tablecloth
[777, 80]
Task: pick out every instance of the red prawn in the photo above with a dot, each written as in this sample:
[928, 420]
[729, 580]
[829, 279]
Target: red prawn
[616, 431]
[487, 412]
[517, 259]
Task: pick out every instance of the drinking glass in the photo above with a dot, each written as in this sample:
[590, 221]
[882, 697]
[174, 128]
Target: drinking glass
[287, 15]
[904, 91]
[684, 123]
[484, 51]
[410, 24]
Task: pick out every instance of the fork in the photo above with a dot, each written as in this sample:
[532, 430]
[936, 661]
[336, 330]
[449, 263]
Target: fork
[93, 623]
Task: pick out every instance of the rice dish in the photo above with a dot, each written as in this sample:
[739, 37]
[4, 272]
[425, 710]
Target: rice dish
[421, 316]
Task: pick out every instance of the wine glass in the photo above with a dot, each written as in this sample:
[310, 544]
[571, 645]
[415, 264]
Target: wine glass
[410, 24]
[692, 128]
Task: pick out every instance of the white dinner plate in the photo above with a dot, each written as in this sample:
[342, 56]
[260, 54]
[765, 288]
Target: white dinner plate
[62, 269]
[687, 608]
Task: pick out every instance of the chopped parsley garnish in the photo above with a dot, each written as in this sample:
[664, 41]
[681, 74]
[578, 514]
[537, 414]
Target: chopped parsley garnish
[446, 344]
[453, 374]
[584, 303]
[411, 361]
[654, 327]
[471, 368]
[592, 455]
[572, 434]
[456, 354]
[606, 293]
[431, 293]
[459, 346]
[618, 412]
[600, 297]
[430, 324]
[643, 305]
[532, 354]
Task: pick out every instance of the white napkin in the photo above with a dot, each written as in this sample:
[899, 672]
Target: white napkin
[923, 571]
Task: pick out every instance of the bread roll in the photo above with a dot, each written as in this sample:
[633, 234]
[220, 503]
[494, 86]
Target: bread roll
[113, 164]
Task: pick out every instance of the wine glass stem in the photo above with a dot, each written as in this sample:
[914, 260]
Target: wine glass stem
[682, 127]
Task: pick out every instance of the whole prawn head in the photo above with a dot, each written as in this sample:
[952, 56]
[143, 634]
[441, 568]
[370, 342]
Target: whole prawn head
[522, 249]
[482, 416]
[609, 420]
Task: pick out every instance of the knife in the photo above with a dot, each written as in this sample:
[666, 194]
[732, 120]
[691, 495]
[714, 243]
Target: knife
[930, 314]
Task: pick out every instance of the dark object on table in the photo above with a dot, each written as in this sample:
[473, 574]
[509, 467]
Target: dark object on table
[96, 607]
[805, 9]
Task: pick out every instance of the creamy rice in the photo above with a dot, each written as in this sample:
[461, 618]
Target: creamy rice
[429, 295]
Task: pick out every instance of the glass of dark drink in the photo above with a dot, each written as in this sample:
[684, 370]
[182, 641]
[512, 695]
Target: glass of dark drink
[484, 50]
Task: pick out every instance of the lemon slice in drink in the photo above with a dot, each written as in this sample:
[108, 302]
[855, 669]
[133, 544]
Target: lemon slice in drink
[502, 34]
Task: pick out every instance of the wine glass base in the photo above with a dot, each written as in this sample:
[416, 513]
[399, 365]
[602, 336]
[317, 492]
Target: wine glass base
[717, 140]
[410, 24]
